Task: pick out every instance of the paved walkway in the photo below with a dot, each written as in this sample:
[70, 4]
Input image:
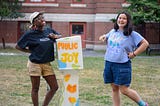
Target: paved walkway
[92, 53]
[86, 53]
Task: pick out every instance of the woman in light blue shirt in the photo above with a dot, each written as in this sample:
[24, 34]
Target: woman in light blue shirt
[123, 44]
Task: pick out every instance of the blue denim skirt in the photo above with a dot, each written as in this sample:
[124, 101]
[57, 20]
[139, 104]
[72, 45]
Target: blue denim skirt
[117, 73]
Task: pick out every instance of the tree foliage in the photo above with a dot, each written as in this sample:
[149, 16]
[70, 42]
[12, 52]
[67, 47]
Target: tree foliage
[10, 9]
[144, 11]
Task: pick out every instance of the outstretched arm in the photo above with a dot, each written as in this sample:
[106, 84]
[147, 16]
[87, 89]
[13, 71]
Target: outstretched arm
[102, 38]
[54, 36]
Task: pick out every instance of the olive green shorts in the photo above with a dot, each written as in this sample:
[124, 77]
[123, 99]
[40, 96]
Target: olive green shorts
[35, 69]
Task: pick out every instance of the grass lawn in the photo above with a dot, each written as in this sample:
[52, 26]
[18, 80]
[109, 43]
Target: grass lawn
[15, 83]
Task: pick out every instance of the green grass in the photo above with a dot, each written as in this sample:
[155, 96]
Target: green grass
[15, 83]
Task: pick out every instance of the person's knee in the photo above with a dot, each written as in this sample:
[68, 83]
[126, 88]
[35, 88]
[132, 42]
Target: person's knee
[115, 88]
[124, 90]
[35, 90]
[54, 89]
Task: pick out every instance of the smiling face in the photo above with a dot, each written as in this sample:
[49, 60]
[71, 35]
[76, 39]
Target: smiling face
[122, 21]
[39, 21]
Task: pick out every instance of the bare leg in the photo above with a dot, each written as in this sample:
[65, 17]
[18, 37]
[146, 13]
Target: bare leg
[52, 82]
[132, 94]
[35, 88]
[115, 95]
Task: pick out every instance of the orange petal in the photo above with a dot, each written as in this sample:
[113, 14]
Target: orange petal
[67, 77]
[72, 99]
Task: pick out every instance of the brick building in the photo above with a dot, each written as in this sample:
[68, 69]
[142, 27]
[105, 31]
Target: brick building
[88, 18]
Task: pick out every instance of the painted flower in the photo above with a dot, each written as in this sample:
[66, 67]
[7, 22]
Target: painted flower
[72, 88]
[72, 100]
[67, 77]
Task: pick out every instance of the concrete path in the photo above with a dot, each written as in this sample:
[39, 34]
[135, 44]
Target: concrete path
[86, 53]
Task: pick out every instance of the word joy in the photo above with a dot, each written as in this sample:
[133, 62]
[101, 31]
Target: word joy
[70, 57]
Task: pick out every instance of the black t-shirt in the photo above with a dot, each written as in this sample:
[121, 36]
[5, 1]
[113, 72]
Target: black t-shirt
[41, 47]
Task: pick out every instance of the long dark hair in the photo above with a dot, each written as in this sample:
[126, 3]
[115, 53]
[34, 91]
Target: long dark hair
[128, 28]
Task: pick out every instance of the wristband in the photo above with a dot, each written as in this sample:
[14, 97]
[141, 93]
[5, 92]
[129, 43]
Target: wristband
[134, 54]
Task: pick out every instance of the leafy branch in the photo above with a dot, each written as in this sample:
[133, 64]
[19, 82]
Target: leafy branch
[10, 9]
[144, 11]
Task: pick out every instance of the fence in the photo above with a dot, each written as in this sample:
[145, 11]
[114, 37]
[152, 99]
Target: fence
[151, 31]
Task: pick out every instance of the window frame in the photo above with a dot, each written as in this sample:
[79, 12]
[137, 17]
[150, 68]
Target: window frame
[78, 2]
[42, 1]
[50, 1]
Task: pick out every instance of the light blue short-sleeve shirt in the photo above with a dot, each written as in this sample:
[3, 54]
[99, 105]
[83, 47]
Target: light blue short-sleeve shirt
[118, 45]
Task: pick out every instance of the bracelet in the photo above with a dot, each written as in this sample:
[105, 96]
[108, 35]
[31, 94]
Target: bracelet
[134, 54]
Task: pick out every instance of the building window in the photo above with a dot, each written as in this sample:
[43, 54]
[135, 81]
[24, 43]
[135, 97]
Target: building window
[21, 0]
[51, 0]
[23, 27]
[77, 1]
[77, 29]
[36, 0]
[39, 1]
[125, 4]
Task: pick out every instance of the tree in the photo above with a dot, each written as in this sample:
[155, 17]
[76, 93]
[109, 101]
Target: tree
[10, 9]
[144, 11]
